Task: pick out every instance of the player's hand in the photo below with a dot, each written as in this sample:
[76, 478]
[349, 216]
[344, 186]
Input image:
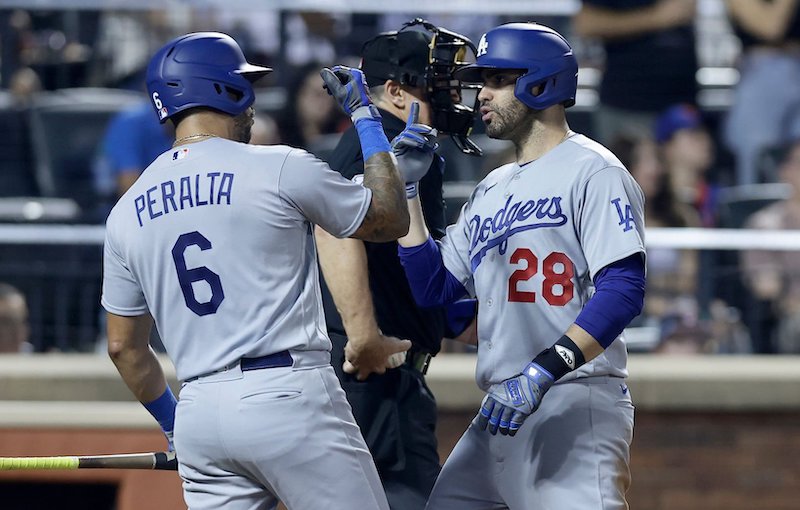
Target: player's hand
[349, 87]
[414, 149]
[508, 403]
[373, 355]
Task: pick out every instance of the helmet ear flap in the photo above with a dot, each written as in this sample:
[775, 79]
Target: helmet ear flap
[524, 90]
[231, 93]
[556, 88]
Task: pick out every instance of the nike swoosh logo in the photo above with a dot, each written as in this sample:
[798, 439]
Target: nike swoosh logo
[489, 187]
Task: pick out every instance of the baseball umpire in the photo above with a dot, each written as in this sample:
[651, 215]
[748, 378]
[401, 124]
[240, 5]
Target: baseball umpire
[214, 242]
[552, 247]
[395, 409]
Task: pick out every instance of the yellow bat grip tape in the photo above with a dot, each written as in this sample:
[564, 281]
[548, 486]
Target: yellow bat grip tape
[8, 463]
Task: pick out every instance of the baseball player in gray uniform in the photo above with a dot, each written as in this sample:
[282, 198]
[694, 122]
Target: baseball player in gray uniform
[552, 247]
[214, 243]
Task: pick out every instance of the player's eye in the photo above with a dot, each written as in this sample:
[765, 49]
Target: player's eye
[502, 79]
[510, 78]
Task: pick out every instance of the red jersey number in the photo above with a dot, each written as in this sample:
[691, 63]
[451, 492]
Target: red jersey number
[557, 287]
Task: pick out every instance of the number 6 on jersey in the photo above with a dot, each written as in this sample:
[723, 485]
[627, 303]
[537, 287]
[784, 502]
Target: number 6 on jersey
[187, 277]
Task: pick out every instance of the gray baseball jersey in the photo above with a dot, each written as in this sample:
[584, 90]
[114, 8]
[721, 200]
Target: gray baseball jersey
[529, 241]
[215, 240]
[527, 244]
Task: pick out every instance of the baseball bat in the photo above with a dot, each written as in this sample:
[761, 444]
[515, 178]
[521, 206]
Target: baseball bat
[155, 460]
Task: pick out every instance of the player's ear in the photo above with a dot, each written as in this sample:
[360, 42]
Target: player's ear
[395, 93]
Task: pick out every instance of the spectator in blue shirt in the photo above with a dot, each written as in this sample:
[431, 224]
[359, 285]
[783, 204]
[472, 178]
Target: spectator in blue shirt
[133, 139]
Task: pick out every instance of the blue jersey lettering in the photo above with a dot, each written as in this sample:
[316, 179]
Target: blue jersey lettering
[546, 210]
[213, 188]
[625, 215]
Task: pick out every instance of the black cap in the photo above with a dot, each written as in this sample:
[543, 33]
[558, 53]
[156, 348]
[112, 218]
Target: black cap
[401, 56]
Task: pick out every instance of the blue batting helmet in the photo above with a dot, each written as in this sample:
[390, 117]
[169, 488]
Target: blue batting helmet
[543, 55]
[205, 69]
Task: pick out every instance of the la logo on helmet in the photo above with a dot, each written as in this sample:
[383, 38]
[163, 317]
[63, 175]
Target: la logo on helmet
[483, 46]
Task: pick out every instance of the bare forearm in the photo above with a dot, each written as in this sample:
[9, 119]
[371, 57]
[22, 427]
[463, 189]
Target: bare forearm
[344, 265]
[387, 217]
[129, 350]
[417, 231]
[765, 20]
[609, 24]
[141, 372]
[588, 345]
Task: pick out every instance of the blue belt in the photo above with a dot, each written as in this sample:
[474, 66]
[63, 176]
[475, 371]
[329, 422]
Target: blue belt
[278, 359]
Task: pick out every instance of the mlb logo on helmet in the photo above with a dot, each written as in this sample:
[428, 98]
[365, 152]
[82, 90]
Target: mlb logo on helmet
[160, 106]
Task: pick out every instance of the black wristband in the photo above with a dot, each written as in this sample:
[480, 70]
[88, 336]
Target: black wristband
[560, 359]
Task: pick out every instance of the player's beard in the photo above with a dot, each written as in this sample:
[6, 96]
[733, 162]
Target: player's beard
[243, 125]
[511, 121]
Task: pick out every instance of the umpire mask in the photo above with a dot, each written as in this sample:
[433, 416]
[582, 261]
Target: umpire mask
[423, 55]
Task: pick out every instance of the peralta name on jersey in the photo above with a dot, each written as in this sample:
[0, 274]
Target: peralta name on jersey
[213, 188]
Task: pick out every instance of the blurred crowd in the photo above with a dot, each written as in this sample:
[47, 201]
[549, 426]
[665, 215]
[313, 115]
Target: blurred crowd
[701, 163]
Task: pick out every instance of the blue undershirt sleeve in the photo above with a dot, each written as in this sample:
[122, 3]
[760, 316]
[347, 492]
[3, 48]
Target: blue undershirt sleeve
[459, 316]
[431, 283]
[618, 298]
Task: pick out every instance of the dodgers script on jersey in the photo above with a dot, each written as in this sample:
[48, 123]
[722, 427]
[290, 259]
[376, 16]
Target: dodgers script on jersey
[215, 240]
[535, 236]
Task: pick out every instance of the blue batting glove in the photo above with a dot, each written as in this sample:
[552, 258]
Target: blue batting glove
[414, 149]
[507, 404]
[349, 87]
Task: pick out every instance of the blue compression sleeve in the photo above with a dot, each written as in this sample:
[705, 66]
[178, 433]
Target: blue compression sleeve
[372, 137]
[459, 315]
[619, 298]
[431, 283]
[163, 410]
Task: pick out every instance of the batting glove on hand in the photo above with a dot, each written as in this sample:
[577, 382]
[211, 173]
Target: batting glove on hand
[414, 149]
[508, 403]
[349, 87]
